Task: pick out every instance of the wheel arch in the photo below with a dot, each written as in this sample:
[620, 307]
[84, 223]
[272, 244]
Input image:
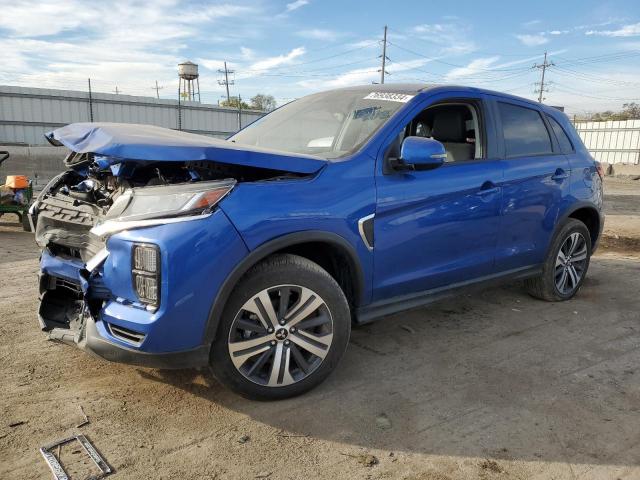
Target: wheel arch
[589, 215]
[329, 250]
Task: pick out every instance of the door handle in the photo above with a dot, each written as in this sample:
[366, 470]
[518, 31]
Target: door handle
[488, 188]
[560, 174]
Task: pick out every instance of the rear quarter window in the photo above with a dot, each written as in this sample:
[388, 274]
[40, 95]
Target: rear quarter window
[563, 139]
[525, 133]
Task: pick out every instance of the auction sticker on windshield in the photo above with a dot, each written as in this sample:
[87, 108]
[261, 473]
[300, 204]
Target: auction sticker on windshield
[389, 96]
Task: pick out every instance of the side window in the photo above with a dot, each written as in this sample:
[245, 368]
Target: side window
[455, 125]
[563, 140]
[524, 131]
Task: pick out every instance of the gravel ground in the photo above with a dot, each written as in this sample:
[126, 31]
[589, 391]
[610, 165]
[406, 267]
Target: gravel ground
[493, 385]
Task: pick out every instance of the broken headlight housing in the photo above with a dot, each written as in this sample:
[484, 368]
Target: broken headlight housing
[156, 205]
[168, 200]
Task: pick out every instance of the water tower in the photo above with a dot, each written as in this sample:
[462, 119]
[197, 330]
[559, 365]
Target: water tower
[189, 83]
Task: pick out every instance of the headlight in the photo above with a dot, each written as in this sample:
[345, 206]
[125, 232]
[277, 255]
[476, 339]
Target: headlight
[148, 206]
[168, 200]
[145, 271]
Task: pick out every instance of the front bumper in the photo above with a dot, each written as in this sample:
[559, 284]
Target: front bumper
[84, 334]
[98, 310]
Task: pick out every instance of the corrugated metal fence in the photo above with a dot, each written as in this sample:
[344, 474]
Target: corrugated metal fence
[612, 141]
[27, 113]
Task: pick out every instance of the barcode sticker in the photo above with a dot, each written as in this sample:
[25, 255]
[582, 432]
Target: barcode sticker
[389, 96]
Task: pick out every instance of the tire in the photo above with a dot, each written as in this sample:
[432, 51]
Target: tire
[306, 303]
[566, 265]
[25, 222]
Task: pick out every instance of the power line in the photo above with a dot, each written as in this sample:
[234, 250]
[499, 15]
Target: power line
[543, 67]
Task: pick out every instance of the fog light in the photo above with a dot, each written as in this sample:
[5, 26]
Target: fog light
[146, 288]
[145, 258]
[145, 271]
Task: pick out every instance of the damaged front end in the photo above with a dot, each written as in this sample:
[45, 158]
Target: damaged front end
[82, 208]
[109, 225]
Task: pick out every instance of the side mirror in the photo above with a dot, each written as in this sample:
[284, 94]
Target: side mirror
[419, 153]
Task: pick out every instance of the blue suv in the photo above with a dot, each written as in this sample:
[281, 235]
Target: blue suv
[255, 255]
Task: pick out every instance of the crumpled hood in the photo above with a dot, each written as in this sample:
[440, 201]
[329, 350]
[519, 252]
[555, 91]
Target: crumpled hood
[148, 142]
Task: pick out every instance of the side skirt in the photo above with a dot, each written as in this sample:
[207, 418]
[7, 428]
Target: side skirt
[382, 308]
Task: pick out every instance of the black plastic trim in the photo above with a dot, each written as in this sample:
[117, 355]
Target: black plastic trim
[264, 251]
[406, 302]
[578, 206]
[102, 348]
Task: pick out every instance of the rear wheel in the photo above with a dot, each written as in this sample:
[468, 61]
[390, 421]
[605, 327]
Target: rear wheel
[566, 265]
[283, 331]
[25, 222]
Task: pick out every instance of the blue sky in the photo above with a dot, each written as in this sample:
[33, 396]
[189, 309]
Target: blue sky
[293, 47]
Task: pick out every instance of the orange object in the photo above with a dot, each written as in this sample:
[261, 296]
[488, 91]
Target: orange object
[17, 181]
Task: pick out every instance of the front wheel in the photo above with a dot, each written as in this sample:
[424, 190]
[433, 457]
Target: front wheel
[566, 265]
[283, 331]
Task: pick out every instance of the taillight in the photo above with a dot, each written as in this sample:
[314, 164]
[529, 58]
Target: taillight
[600, 170]
[145, 270]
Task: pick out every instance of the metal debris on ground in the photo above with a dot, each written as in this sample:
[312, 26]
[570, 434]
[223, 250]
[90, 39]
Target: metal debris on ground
[54, 462]
[17, 424]
[407, 328]
[86, 419]
[364, 459]
[244, 439]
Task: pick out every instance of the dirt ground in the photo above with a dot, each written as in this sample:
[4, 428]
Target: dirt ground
[493, 385]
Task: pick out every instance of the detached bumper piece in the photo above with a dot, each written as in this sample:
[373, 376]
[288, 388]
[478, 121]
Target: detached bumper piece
[56, 466]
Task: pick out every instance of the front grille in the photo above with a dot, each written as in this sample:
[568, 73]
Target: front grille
[58, 250]
[126, 335]
[64, 224]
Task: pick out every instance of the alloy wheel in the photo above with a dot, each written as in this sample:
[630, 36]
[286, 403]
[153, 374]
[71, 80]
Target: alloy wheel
[571, 263]
[281, 335]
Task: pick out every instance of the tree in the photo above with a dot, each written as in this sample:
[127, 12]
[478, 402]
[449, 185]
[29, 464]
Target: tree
[263, 102]
[631, 111]
[233, 103]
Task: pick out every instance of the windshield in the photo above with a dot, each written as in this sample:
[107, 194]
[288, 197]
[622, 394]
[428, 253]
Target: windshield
[329, 125]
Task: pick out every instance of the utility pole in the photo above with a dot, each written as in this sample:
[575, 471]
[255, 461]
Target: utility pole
[116, 91]
[157, 89]
[384, 55]
[90, 103]
[226, 82]
[179, 109]
[543, 67]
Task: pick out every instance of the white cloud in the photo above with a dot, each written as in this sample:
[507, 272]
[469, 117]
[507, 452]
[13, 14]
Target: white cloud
[632, 30]
[531, 23]
[272, 62]
[296, 5]
[452, 38]
[532, 40]
[362, 75]
[247, 53]
[475, 66]
[211, 64]
[130, 43]
[321, 34]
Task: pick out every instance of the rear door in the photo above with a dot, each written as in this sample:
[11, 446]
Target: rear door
[536, 182]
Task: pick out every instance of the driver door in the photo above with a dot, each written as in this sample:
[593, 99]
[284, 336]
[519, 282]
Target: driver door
[439, 227]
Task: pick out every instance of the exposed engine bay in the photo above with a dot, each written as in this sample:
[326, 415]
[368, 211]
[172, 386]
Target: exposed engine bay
[96, 188]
